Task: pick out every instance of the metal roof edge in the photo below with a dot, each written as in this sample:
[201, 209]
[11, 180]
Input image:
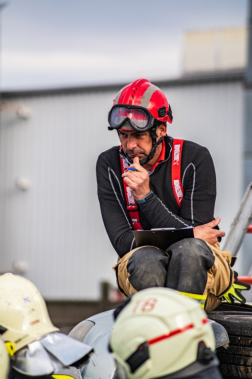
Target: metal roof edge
[187, 79]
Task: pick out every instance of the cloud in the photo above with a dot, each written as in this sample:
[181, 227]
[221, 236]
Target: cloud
[121, 62]
[78, 42]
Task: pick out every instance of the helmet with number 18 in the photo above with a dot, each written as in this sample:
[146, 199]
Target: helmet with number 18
[162, 334]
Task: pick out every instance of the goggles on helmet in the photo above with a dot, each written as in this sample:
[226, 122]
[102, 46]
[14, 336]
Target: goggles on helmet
[138, 117]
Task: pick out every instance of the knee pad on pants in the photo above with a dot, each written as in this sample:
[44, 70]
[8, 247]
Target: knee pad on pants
[190, 259]
[147, 267]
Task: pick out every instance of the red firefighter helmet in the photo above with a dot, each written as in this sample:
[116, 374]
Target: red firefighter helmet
[140, 106]
[143, 94]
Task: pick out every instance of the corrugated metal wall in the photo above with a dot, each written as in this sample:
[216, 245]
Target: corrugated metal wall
[56, 225]
[212, 115]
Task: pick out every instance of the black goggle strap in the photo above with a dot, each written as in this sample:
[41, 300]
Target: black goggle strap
[162, 112]
[170, 113]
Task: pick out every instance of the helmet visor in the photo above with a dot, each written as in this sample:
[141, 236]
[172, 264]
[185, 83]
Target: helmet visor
[138, 118]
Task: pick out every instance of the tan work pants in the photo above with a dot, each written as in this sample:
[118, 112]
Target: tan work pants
[219, 276]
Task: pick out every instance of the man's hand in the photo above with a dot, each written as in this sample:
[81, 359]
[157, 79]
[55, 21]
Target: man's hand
[138, 181]
[207, 233]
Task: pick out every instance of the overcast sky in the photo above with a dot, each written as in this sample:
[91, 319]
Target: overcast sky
[57, 43]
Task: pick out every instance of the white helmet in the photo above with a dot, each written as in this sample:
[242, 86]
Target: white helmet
[4, 361]
[161, 333]
[36, 347]
[23, 313]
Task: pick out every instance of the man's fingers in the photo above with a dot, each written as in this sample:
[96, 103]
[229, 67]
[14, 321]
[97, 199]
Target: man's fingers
[133, 179]
[207, 233]
[221, 233]
[137, 165]
[214, 223]
[128, 181]
[136, 160]
[133, 175]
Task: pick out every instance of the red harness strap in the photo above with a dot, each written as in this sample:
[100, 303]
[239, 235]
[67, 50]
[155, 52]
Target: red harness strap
[176, 170]
[132, 206]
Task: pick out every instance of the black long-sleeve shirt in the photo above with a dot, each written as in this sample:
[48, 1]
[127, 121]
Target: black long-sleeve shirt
[161, 209]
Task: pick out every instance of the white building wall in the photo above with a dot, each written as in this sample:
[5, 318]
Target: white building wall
[56, 225]
[212, 115]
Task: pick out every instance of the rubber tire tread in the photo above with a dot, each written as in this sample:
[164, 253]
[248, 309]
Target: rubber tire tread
[236, 360]
[234, 371]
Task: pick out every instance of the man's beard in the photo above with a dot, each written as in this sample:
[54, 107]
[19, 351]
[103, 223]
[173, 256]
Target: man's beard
[142, 161]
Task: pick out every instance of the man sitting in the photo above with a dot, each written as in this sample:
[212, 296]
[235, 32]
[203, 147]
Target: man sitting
[155, 181]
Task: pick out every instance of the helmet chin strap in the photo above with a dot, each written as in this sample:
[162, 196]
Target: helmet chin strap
[155, 144]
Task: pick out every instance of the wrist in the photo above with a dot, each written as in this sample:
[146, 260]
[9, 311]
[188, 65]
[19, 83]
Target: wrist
[143, 200]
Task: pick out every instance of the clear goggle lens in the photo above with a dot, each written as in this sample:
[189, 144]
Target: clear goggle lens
[137, 117]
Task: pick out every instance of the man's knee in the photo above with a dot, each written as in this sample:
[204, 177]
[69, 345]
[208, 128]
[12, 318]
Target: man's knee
[147, 267]
[190, 259]
[192, 250]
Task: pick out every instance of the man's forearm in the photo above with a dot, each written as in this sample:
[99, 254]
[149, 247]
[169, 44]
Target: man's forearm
[159, 216]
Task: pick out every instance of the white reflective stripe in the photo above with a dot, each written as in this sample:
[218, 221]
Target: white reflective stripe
[132, 243]
[172, 214]
[147, 95]
[118, 95]
[111, 182]
[192, 193]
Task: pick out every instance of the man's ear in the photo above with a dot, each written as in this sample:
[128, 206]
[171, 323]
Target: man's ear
[161, 130]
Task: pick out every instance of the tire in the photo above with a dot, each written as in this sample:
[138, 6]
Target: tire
[236, 359]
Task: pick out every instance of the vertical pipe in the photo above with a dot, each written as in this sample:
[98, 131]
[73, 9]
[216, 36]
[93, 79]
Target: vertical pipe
[248, 73]
[248, 108]
[2, 5]
[245, 255]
